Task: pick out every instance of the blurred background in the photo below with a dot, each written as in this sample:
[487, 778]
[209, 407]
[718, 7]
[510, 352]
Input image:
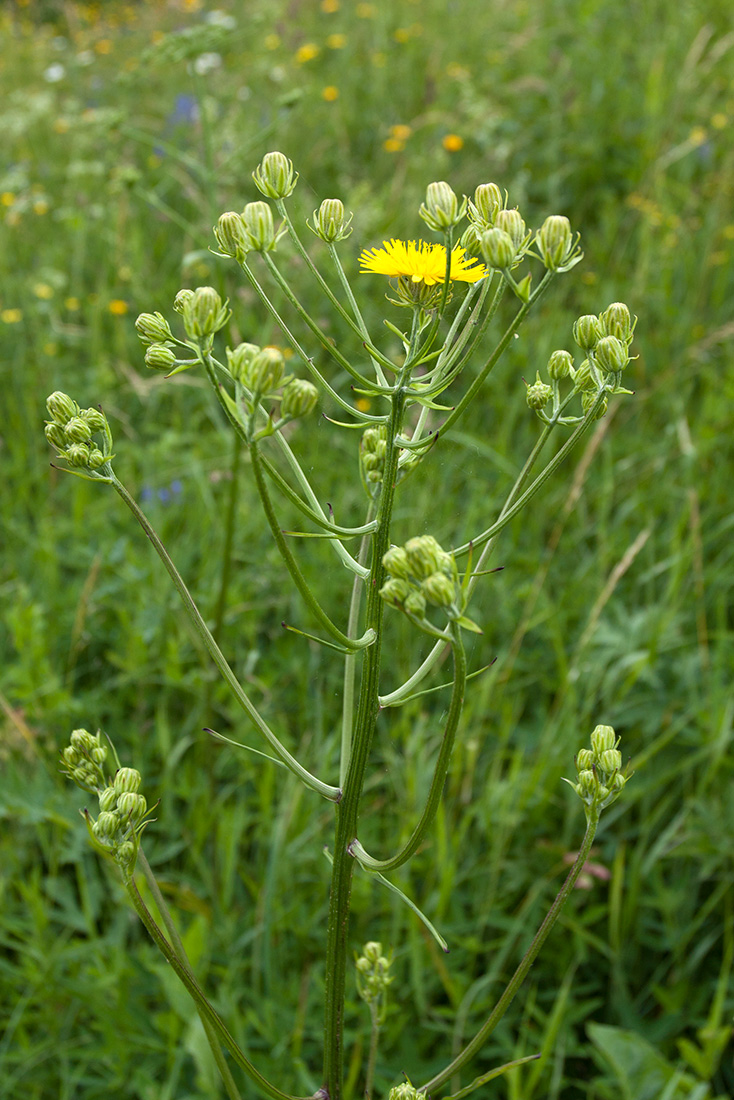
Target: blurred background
[126, 129]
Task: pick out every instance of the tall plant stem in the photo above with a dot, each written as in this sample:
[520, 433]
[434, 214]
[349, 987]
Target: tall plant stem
[347, 811]
[226, 571]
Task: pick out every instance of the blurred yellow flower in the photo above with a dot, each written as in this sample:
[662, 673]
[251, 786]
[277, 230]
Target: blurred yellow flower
[719, 121]
[50, 348]
[452, 143]
[365, 11]
[400, 132]
[71, 304]
[306, 52]
[61, 125]
[728, 232]
[363, 404]
[420, 262]
[330, 6]
[697, 135]
[7, 198]
[40, 206]
[402, 34]
[392, 145]
[118, 307]
[271, 41]
[11, 316]
[43, 290]
[104, 46]
[336, 41]
[330, 93]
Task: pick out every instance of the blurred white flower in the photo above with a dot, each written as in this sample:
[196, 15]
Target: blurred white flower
[205, 62]
[221, 19]
[85, 57]
[54, 73]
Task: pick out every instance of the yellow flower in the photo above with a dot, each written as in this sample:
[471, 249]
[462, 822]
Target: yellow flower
[40, 206]
[330, 6]
[393, 145]
[420, 262]
[11, 316]
[365, 11]
[306, 52]
[401, 132]
[104, 46]
[719, 121]
[118, 307]
[43, 290]
[272, 41]
[452, 143]
[7, 198]
[62, 125]
[330, 93]
[71, 304]
[336, 41]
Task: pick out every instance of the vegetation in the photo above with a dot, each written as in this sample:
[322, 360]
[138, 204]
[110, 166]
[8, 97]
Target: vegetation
[127, 130]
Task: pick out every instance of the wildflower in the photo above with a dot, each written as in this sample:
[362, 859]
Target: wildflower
[452, 143]
[104, 46]
[393, 145]
[54, 73]
[11, 316]
[330, 6]
[306, 52]
[7, 198]
[336, 41]
[43, 290]
[330, 93]
[118, 307]
[400, 132]
[420, 262]
[40, 206]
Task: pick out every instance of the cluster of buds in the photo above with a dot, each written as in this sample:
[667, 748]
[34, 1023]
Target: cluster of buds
[251, 231]
[72, 430]
[422, 573]
[122, 808]
[406, 1091]
[373, 976]
[260, 375]
[372, 451]
[599, 780]
[203, 312]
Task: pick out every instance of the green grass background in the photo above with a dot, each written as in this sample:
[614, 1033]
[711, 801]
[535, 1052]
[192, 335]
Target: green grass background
[614, 604]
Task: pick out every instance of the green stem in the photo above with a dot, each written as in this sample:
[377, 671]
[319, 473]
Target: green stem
[374, 1042]
[361, 326]
[347, 812]
[529, 958]
[298, 579]
[332, 793]
[350, 666]
[197, 994]
[439, 774]
[229, 524]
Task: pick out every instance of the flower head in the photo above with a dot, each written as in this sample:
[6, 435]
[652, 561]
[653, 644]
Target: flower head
[420, 262]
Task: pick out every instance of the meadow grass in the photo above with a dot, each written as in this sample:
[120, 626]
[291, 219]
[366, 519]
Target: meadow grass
[113, 174]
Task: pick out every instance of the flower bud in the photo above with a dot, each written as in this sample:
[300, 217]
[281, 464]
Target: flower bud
[583, 379]
[107, 825]
[406, 1091]
[559, 365]
[488, 201]
[372, 951]
[497, 249]
[415, 604]
[82, 740]
[231, 236]
[617, 784]
[587, 332]
[513, 224]
[299, 398]
[439, 590]
[98, 754]
[203, 313]
[395, 561]
[96, 420]
[363, 965]
[97, 458]
[131, 806]
[424, 556]
[539, 394]
[588, 398]
[586, 786]
[616, 321]
[77, 430]
[275, 177]
[77, 454]
[108, 799]
[126, 779]
[610, 761]
[469, 240]
[585, 760]
[395, 591]
[55, 434]
[611, 354]
[554, 240]
[238, 359]
[60, 407]
[330, 221]
[160, 357]
[603, 738]
[441, 210]
[71, 755]
[263, 372]
[125, 854]
[153, 328]
[183, 296]
[257, 220]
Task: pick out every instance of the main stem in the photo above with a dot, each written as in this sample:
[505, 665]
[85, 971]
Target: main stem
[347, 810]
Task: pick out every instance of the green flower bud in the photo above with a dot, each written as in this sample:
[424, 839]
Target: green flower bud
[299, 398]
[61, 407]
[363, 965]
[330, 221]
[108, 799]
[588, 397]
[616, 321]
[131, 806]
[71, 755]
[239, 358]
[611, 354]
[55, 434]
[263, 372]
[441, 210]
[231, 236]
[77, 430]
[587, 785]
[125, 855]
[275, 177]
[395, 561]
[583, 379]
[183, 296]
[98, 754]
[406, 1091]
[488, 201]
[469, 240]
[415, 604]
[127, 779]
[203, 313]
[370, 439]
[539, 394]
[395, 591]
[439, 590]
[497, 248]
[424, 556]
[555, 241]
[603, 738]
[77, 454]
[587, 332]
[107, 825]
[96, 458]
[610, 761]
[96, 420]
[513, 224]
[257, 219]
[560, 365]
[153, 328]
[585, 760]
[160, 357]
[372, 951]
[617, 784]
[370, 461]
